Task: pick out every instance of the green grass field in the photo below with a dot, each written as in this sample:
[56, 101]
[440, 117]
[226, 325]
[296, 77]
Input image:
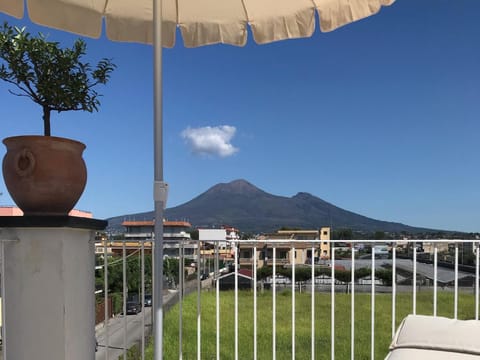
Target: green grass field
[383, 320]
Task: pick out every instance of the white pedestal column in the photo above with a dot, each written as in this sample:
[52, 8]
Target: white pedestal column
[49, 289]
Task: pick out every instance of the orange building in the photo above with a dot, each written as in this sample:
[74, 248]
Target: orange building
[15, 211]
[175, 237]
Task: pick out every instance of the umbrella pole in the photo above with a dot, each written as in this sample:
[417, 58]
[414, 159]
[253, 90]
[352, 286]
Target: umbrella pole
[160, 188]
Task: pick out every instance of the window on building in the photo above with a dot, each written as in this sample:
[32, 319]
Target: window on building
[245, 254]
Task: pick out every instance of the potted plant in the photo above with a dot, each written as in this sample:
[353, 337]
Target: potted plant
[46, 175]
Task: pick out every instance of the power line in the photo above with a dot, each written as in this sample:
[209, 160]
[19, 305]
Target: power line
[119, 261]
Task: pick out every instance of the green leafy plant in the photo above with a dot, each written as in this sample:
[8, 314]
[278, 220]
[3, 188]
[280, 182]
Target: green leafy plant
[56, 78]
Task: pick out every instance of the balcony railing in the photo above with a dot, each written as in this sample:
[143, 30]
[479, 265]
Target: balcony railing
[347, 306]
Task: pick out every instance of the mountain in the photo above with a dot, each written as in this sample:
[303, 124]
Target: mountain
[250, 209]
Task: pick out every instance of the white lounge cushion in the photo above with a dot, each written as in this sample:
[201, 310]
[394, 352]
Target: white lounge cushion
[443, 337]
[422, 354]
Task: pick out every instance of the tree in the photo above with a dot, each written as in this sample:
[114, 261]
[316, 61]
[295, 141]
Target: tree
[194, 234]
[133, 267]
[171, 269]
[292, 228]
[342, 234]
[55, 78]
[264, 272]
[246, 236]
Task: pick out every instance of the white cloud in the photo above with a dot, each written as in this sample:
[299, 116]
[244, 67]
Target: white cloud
[211, 140]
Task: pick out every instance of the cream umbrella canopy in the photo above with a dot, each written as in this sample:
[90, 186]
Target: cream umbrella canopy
[201, 22]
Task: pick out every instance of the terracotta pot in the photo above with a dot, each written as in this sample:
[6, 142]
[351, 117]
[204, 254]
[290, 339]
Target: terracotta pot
[45, 175]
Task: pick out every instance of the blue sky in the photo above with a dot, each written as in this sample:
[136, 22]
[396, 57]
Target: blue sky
[380, 117]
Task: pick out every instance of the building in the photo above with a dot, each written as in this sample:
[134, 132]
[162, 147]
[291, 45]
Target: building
[429, 247]
[323, 252]
[214, 237]
[15, 211]
[244, 280]
[175, 237]
[222, 240]
[299, 252]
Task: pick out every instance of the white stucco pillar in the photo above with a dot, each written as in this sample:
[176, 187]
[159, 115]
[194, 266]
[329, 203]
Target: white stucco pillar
[49, 284]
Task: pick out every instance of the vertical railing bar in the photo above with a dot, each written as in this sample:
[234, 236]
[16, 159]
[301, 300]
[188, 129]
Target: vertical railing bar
[105, 289]
[313, 302]
[394, 288]
[199, 311]
[153, 267]
[3, 292]
[372, 350]
[435, 278]
[181, 278]
[332, 305]
[142, 261]
[352, 320]
[293, 302]
[124, 253]
[217, 298]
[477, 281]
[274, 304]
[153, 314]
[414, 281]
[255, 302]
[236, 301]
[216, 265]
[455, 306]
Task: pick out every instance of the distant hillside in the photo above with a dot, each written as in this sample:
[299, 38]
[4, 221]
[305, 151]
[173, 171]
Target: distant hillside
[244, 206]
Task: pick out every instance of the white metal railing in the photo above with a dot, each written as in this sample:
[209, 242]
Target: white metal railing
[418, 275]
[118, 331]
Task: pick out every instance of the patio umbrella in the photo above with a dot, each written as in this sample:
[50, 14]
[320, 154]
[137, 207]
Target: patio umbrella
[201, 22]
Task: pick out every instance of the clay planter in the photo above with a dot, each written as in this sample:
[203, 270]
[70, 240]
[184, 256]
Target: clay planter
[45, 175]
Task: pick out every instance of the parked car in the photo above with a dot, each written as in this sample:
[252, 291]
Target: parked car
[148, 300]
[133, 308]
[204, 276]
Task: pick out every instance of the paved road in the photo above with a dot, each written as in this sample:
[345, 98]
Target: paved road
[134, 329]
[444, 275]
[115, 334]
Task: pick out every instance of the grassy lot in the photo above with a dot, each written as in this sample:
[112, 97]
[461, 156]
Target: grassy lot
[302, 324]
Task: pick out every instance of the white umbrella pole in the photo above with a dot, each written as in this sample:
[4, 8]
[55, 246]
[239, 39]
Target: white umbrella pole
[160, 188]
